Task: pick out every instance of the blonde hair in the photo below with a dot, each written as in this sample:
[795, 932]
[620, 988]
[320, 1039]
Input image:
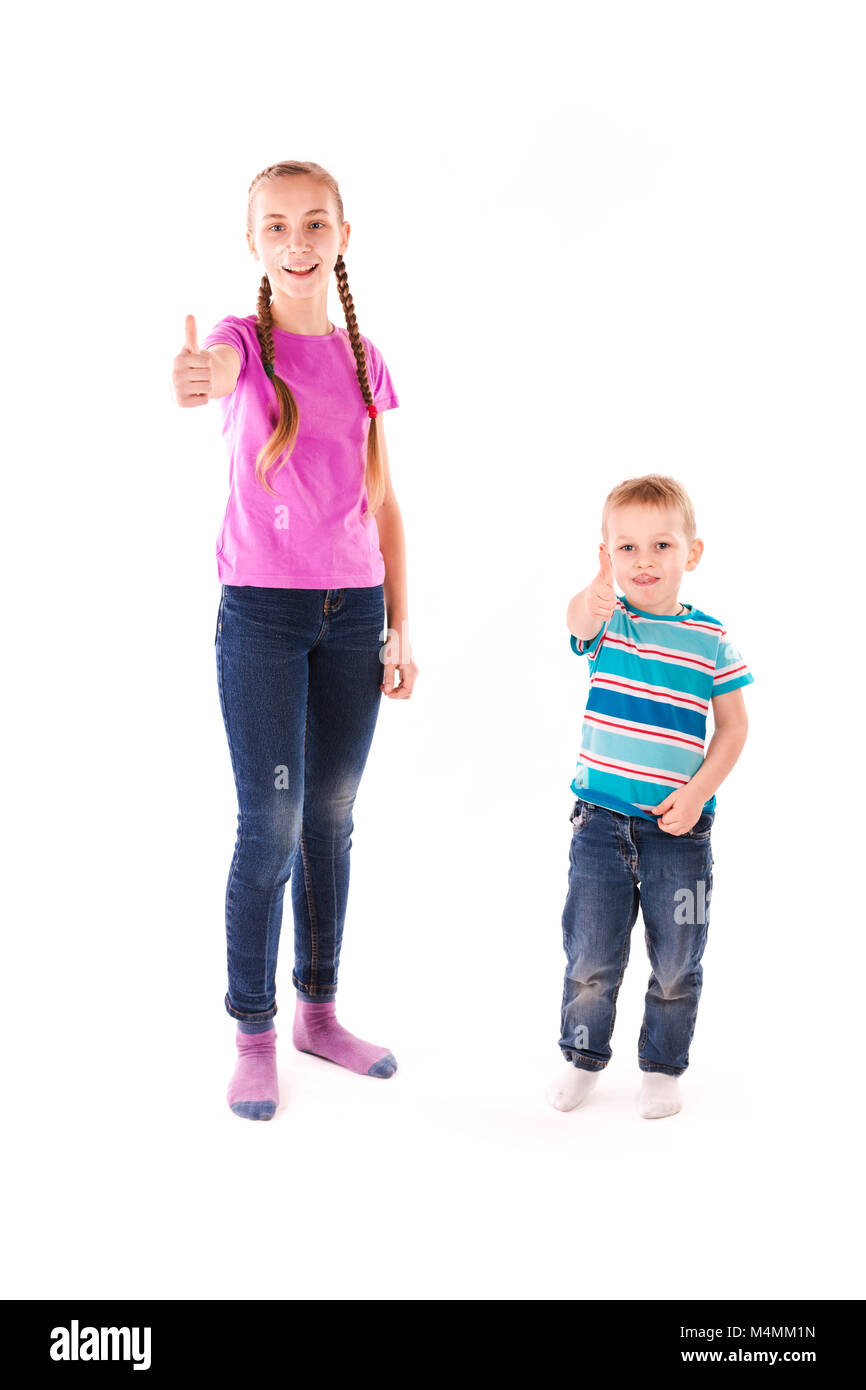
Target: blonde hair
[652, 490]
[285, 434]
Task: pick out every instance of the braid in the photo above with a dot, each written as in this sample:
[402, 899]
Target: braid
[264, 326]
[282, 441]
[352, 325]
[374, 476]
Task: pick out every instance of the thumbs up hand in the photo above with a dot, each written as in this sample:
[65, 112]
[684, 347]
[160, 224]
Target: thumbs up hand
[191, 375]
[600, 593]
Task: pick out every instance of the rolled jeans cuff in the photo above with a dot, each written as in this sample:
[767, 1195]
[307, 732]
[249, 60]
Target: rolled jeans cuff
[244, 1016]
[579, 1059]
[326, 995]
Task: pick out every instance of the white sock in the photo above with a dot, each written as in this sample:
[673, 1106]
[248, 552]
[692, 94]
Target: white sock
[659, 1095]
[571, 1087]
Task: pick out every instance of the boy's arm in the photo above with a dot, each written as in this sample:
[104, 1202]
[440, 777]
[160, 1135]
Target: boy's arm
[580, 623]
[679, 811]
[731, 725]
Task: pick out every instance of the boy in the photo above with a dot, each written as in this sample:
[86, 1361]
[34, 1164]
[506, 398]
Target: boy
[645, 790]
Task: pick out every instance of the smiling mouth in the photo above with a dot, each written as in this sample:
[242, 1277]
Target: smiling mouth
[299, 270]
[645, 579]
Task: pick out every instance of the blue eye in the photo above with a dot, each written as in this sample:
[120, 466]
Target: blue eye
[666, 545]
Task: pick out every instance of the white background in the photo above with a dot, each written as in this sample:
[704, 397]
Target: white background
[591, 241]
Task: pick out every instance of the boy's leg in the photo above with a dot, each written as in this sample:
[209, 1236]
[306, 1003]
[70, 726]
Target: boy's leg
[676, 881]
[599, 913]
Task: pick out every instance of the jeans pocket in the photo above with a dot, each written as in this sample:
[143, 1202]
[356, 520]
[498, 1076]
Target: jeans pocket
[702, 827]
[579, 816]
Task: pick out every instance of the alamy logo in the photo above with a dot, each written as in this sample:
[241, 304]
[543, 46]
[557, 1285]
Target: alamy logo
[102, 1344]
[692, 908]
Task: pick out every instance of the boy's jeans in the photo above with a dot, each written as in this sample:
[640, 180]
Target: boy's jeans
[618, 863]
[299, 673]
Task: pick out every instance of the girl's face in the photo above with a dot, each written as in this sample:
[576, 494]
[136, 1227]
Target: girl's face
[295, 226]
[650, 553]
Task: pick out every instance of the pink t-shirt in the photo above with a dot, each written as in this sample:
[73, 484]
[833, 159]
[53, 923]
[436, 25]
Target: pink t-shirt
[317, 532]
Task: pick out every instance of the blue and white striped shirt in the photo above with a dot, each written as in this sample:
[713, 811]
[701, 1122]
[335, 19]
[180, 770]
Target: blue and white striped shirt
[652, 677]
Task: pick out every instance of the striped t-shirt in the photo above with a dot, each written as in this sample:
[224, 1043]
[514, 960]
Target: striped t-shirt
[652, 677]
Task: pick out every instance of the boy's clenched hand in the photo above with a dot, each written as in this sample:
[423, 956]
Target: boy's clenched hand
[679, 811]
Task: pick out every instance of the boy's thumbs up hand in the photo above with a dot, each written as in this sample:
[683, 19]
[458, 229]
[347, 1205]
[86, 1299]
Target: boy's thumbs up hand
[601, 595]
[604, 564]
[191, 374]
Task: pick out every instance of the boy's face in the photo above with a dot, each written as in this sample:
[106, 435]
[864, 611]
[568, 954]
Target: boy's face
[650, 553]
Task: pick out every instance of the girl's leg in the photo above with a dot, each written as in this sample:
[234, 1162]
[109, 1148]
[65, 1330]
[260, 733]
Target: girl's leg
[345, 672]
[262, 644]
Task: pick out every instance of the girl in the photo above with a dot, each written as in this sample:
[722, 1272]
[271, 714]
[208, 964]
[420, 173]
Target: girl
[309, 581]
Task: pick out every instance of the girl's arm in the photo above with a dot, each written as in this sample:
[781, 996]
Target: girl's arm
[225, 371]
[392, 543]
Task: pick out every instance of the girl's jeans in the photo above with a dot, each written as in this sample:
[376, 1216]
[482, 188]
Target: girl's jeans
[299, 673]
[618, 863]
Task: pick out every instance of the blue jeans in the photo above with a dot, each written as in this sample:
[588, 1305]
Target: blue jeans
[299, 673]
[617, 864]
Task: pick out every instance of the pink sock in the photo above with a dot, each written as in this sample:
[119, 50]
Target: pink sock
[316, 1030]
[253, 1091]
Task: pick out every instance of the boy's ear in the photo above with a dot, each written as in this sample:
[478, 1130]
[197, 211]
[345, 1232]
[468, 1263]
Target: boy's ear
[696, 550]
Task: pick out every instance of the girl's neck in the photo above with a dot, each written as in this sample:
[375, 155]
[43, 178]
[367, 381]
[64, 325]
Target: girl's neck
[309, 320]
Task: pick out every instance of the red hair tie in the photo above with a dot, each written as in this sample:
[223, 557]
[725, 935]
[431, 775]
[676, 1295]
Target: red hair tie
[372, 412]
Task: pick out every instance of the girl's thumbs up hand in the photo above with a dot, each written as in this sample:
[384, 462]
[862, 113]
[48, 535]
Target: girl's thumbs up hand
[191, 374]
[601, 595]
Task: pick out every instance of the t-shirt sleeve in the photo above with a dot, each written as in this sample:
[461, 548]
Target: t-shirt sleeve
[731, 670]
[227, 331]
[589, 646]
[384, 395]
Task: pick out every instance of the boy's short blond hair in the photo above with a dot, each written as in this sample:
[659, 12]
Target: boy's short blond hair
[652, 490]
